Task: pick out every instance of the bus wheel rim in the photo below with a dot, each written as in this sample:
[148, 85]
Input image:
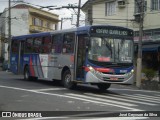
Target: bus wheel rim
[68, 79]
[26, 75]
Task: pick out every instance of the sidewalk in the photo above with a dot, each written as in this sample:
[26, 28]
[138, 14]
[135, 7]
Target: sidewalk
[150, 87]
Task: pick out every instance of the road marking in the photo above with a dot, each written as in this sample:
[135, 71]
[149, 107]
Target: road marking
[104, 100]
[122, 99]
[142, 98]
[157, 95]
[72, 97]
[134, 90]
[133, 97]
[149, 97]
[49, 89]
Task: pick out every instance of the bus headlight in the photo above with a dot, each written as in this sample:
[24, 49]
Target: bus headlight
[95, 72]
[130, 73]
[91, 69]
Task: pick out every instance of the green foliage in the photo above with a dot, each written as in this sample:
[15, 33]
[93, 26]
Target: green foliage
[149, 73]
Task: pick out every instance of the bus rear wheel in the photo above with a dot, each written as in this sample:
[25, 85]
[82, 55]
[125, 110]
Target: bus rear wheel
[67, 81]
[104, 86]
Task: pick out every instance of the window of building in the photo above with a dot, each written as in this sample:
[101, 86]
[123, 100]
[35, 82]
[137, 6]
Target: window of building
[41, 23]
[147, 33]
[136, 33]
[89, 15]
[155, 4]
[56, 43]
[37, 22]
[33, 21]
[156, 32]
[48, 24]
[110, 8]
[68, 43]
[138, 4]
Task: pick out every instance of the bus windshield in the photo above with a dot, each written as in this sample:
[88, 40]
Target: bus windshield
[103, 49]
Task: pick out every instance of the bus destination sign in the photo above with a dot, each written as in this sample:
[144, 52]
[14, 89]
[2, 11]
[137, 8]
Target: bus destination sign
[111, 31]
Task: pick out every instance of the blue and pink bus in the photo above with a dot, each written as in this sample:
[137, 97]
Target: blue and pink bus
[99, 55]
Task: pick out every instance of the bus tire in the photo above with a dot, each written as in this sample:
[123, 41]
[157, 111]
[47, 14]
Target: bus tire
[26, 73]
[66, 79]
[104, 86]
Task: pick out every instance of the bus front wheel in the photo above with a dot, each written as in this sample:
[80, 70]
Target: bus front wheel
[104, 86]
[67, 81]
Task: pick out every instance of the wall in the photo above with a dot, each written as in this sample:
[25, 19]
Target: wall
[119, 18]
[20, 25]
[151, 18]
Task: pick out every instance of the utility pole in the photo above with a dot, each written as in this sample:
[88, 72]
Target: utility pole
[70, 6]
[62, 19]
[78, 14]
[1, 44]
[61, 23]
[139, 59]
[9, 31]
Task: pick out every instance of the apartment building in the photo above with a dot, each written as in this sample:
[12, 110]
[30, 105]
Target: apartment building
[127, 13]
[25, 19]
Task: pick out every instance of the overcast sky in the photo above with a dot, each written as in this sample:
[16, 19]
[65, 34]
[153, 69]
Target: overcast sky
[62, 13]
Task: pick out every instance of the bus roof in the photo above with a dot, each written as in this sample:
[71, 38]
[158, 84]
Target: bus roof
[79, 30]
[31, 35]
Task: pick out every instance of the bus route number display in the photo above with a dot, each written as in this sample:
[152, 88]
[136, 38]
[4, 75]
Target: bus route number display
[109, 31]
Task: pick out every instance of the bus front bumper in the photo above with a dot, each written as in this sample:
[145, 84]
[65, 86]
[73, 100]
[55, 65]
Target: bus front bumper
[109, 78]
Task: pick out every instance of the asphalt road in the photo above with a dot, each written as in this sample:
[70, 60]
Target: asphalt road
[53, 100]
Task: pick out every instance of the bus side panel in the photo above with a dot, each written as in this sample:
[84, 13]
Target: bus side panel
[42, 65]
[33, 62]
[67, 60]
[14, 63]
[54, 70]
[57, 63]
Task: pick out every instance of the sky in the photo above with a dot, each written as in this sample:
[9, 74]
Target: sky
[63, 13]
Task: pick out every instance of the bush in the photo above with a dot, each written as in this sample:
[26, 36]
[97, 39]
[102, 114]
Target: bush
[149, 73]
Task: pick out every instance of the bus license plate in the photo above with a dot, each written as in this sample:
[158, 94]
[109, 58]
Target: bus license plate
[113, 78]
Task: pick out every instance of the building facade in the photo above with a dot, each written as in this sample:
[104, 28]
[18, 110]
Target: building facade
[25, 19]
[125, 13]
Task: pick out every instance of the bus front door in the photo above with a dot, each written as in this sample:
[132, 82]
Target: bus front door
[81, 56]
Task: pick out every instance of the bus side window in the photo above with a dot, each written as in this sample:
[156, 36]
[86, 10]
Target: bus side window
[68, 43]
[29, 45]
[56, 43]
[14, 45]
[37, 45]
[46, 44]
